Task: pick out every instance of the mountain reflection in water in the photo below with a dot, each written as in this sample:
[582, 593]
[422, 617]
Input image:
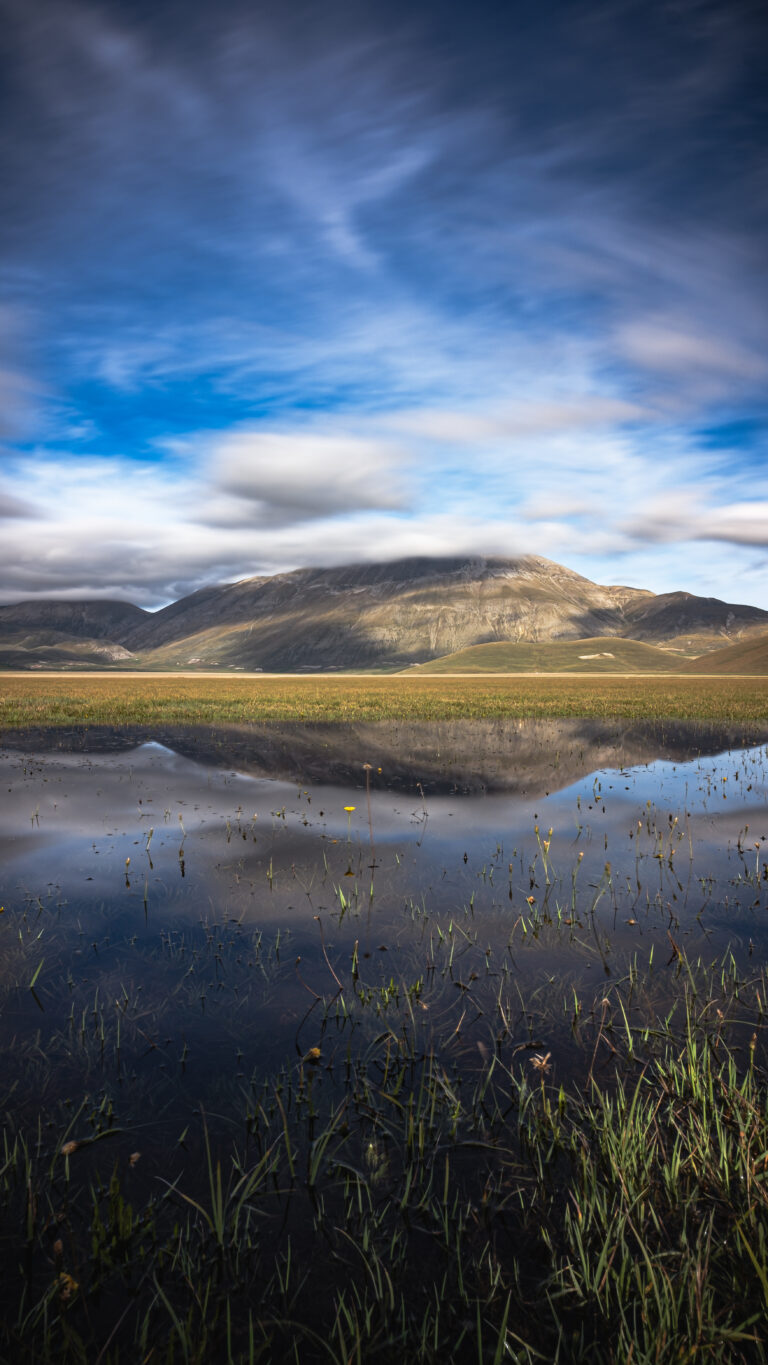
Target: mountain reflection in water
[204, 929]
[443, 756]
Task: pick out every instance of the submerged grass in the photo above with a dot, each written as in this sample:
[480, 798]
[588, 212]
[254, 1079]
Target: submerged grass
[449, 1167]
[398, 1211]
[152, 700]
[469, 1155]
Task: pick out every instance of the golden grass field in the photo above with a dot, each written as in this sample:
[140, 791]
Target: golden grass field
[157, 699]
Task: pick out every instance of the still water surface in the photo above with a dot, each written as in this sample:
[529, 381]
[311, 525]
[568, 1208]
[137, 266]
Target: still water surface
[188, 914]
[283, 1033]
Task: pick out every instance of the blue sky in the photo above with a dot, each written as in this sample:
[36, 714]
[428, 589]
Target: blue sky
[306, 284]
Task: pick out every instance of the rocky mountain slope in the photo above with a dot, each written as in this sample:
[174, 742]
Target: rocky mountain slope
[373, 616]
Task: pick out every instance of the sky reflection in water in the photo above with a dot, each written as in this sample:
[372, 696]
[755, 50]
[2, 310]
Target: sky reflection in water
[196, 887]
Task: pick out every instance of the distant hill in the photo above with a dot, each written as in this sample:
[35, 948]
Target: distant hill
[369, 616]
[605, 654]
[749, 656]
[688, 624]
[79, 634]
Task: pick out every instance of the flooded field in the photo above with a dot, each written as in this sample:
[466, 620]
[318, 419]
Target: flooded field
[397, 1041]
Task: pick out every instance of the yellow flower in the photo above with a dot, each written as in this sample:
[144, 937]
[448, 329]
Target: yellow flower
[67, 1286]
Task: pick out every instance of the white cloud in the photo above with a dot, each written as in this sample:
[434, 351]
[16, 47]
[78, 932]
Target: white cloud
[686, 519]
[617, 507]
[305, 475]
[666, 345]
[518, 419]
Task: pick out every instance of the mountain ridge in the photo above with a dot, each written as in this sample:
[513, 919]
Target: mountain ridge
[373, 615]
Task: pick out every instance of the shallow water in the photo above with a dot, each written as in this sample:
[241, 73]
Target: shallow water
[210, 908]
[243, 952]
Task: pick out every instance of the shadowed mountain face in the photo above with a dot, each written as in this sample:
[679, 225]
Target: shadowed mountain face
[379, 616]
[81, 620]
[672, 618]
[66, 634]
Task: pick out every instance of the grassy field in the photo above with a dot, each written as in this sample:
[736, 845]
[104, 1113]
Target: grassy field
[748, 656]
[601, 654]
[113, 699]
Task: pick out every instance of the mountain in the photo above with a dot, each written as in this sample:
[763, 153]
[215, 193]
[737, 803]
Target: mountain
[689, 624]
[85, 620]
[369, 615]
[364, 616]
[66, 634]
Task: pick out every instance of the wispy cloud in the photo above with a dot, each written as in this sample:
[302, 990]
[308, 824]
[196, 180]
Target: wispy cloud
[670, 347]
[355, 287]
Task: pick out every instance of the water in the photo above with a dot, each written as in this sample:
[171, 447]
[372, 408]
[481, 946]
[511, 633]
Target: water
[212, 906]
[246, 944]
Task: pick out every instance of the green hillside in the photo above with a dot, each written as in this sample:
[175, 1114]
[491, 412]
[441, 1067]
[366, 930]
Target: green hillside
[600, 654]
[749, 656]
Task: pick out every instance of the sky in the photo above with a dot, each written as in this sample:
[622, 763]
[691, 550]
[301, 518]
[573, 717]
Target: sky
[288, 284]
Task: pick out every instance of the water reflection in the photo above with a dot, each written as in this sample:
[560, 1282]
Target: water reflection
[471, 755]
[223, 897]
[214, 944]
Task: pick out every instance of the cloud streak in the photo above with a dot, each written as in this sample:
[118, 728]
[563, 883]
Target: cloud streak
[358, 283]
